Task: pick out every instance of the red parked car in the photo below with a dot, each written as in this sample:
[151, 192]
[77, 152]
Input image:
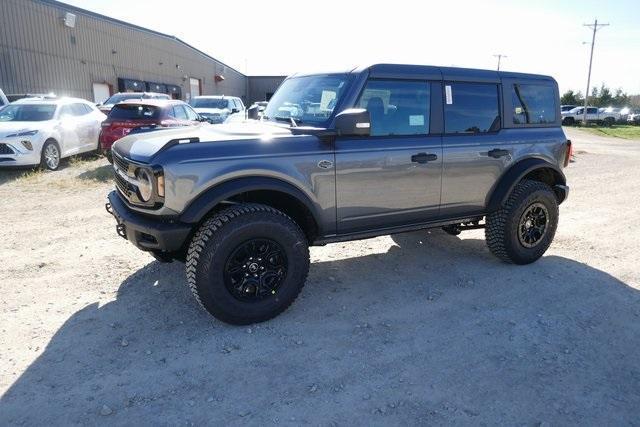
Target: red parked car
[144, 113]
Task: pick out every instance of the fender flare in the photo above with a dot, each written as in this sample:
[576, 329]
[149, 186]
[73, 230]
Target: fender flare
[514, 174]
[206, 201]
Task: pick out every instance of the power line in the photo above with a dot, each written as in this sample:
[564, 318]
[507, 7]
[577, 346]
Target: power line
[595, 26]
[500, 56]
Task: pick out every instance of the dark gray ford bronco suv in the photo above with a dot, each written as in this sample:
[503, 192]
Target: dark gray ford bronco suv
[343, 156]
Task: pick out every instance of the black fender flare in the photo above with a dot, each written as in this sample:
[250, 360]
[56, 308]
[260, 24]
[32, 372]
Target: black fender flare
[514, 174]
[206, 201]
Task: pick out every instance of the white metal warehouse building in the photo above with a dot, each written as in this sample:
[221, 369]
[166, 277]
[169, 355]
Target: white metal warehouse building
[48, 46]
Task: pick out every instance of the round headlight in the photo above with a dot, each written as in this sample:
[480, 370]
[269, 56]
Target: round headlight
[145, 187]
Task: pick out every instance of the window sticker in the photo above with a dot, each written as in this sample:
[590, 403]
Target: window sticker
[518, 110]
[449, 96]
[417, 120]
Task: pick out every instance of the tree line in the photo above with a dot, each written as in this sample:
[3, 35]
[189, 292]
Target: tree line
[602, 97]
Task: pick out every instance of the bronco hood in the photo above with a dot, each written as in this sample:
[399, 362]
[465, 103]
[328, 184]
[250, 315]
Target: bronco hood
[143, 146]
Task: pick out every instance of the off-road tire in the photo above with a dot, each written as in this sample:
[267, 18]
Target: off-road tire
[502, 226]
[219, 236]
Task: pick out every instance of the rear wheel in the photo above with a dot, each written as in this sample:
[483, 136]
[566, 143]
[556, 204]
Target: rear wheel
[609, 121]
[522, 230]
[247, 264]
[50, 157]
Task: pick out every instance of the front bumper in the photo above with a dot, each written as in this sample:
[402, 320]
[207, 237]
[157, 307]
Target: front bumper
[18, 155]
[144, 232]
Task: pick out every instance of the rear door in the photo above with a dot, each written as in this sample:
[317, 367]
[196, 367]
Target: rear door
[475, 151]
[70, 130]
[393, 177]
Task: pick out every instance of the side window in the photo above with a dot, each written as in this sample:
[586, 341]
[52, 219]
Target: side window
[191, 115]
[79, 109]
[240, 104]
[397, 107]
[592, 111]
[66, 111]
[471, 108]
[179, 113]
[533, 104]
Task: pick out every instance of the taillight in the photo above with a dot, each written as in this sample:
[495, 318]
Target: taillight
[569, 153]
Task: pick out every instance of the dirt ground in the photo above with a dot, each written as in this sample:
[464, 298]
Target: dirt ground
[419, 328]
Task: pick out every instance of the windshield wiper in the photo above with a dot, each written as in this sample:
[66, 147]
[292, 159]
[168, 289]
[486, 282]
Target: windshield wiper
[289, 120]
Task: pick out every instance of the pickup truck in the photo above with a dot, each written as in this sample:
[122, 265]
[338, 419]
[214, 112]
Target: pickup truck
[594, 115]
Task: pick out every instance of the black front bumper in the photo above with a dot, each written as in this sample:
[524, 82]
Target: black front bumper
[146, 233]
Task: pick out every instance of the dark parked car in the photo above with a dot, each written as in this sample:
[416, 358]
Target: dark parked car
[107, 105]
[343, 156]
[144, 115]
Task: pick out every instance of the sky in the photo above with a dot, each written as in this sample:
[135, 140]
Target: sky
[283, 37]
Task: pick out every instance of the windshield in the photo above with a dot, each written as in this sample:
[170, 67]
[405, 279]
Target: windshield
[309, 99]
[27, 112]
[123, 97]
[210, 103]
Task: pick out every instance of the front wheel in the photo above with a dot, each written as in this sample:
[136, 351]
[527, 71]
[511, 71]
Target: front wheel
[247, 264]
[522, 230]
[50, 157]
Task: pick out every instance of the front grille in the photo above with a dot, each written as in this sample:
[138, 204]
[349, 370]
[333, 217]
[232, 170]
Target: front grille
[125, 188]
[121, 165]
[120, 162]
[5, 149]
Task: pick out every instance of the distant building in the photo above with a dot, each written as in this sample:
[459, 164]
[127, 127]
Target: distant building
[48, 46]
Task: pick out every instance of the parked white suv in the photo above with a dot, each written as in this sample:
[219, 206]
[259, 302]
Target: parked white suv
[41, 131]
[594, 115]
[217, 108]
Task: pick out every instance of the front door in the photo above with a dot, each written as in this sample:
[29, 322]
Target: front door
[393, 177]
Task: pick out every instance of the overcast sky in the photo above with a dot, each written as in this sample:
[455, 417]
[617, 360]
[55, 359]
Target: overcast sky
[284, 36]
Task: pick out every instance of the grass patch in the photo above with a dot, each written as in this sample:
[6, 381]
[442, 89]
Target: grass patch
[99, 174]
[7, 176]
[617, 131]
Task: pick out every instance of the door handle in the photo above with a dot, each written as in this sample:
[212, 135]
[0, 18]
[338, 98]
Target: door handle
[423, 158]
[496, 153]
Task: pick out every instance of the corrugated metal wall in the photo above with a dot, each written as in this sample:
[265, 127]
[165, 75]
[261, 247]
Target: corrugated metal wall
[38, 53]
[261, 86]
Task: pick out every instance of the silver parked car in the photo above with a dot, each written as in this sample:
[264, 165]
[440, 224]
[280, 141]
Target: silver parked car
[42, 131]
[218, 108]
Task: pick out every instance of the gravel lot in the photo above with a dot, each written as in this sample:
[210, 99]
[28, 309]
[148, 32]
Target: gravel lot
[418, 328]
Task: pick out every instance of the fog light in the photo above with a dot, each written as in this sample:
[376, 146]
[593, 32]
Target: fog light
[27, 145]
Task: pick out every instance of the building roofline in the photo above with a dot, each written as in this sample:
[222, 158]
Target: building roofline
[64, 6]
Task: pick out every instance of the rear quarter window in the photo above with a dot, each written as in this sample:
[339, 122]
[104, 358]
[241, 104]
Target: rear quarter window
[134, 112]
[533, 104]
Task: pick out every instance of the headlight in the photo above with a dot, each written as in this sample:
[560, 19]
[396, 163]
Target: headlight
[23, 133]
[145, 186]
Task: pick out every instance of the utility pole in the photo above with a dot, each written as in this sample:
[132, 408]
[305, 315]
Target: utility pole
[595, 27]
[500, 56]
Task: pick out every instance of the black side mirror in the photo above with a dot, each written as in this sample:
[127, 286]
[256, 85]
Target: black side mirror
[234, 110]
[353, 122]
[252, 112]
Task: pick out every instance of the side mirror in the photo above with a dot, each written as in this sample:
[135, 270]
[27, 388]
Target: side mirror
[234, 110]
[353, 122]
[252, 112]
